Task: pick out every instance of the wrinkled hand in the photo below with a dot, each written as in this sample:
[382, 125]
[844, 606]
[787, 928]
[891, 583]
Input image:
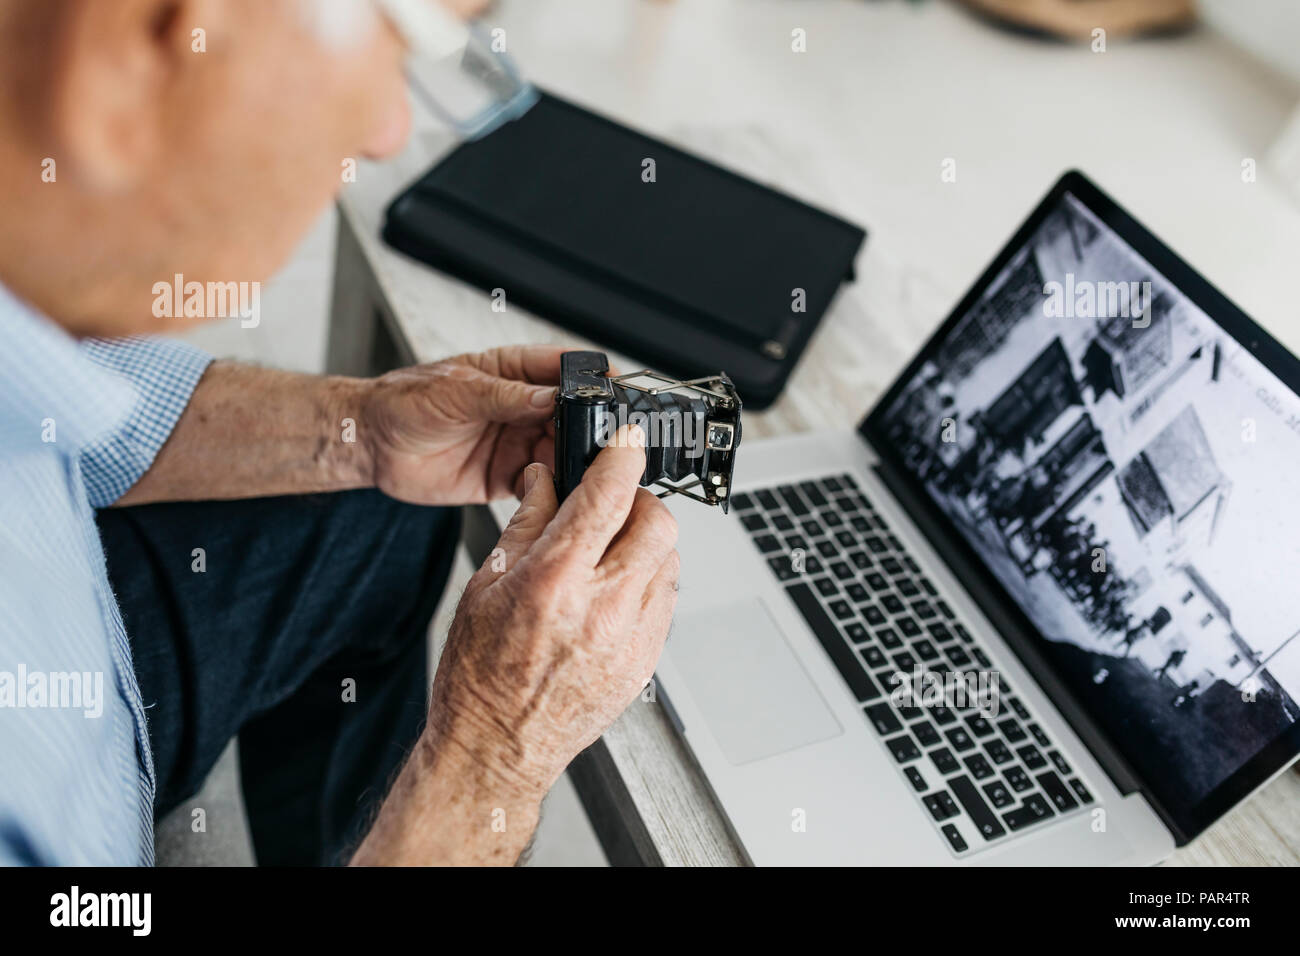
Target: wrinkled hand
[543, 656]
[461, 431]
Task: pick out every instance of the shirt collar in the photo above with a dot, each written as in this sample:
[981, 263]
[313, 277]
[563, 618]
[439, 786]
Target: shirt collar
[45, 379]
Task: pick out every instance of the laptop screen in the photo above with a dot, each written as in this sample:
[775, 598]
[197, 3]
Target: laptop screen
[1126, 470]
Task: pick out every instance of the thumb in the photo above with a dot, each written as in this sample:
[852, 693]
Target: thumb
[529, 521]
[489, 398]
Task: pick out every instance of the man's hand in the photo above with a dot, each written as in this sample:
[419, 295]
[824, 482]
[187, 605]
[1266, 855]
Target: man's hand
[461, 431]
[541, 658]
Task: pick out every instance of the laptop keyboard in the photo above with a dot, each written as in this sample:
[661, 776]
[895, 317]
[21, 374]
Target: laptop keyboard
[979, 777]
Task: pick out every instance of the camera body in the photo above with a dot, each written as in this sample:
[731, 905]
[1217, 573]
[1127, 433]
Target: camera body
[692, 428]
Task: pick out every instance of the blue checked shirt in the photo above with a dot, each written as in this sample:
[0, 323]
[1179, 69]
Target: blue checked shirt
[80, 422]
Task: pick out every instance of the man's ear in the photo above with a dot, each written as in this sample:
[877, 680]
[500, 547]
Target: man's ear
[113, 64]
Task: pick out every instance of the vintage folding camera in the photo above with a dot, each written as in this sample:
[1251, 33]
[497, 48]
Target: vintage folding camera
[692, 428]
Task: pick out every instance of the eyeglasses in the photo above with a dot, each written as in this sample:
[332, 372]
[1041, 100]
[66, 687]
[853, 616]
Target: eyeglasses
[454, 70]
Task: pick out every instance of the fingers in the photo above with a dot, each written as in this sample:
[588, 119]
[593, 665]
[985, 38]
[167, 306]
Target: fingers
[599, 506]
[645, 541]
[486, 397]
[662, 589]
[537, 364]
[530, 519]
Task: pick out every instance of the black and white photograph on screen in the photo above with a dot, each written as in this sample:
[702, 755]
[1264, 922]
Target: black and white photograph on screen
[1122, 466]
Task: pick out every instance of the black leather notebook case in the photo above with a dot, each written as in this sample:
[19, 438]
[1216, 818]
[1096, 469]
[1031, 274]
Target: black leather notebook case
[693, 273]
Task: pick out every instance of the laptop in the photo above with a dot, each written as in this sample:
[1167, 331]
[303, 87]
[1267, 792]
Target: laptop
[1036, 609]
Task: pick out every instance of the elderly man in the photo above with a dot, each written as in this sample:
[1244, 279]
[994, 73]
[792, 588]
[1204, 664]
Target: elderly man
[254, 569]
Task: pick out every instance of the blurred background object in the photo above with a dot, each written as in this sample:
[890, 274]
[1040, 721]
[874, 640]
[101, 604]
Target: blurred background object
[1267, 29]
[1077, 19]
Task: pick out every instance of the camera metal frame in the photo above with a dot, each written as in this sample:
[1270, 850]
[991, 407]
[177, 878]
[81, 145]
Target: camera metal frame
[589, 398]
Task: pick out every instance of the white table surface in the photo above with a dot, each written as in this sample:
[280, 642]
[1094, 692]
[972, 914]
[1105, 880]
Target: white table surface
[861, 124]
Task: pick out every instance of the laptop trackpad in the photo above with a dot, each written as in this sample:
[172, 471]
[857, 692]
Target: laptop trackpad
[756, 698]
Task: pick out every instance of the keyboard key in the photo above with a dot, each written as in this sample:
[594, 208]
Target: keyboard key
[767, 500]
[781, 522]
[892, 604]
[999, 751]
[1057, 791]
[979, 726]
[883, 719]
[796, 542]
[876, 581]
[856, 633]
[845, 503]
[826, 587]
[1079, 789]
[964, 634]
[813, 493]
[959, 739]
[832, 519]
[827, 549]
[831, 484]
[915, 779]
[928, 586]
[874, 616]
[1041, 808]
[908, 626]
[944, 761]
[903, 748]
[924, 610]
[874, 657]
[924, 650]
[889, 638]
[1031, 757]
[981, 657]
[1011, 730]
[813, 529]
[924, 732]
[876, 545]
[782, 567]
[793, 501]
[943, 608]
[957, 654]
[860, 524]
[1042, 738]
[845, 538]
[841, 609]
[998, 794]
[979, 812]
[978, 766]
[891, 566]
[940, 805]
[954, 838]
[767, 543]
[742, 501]
[906, 587]
[840, 653]
[754, 521]
[1021, 817]
[940, 632]
[1058, 761]
[1018, 779]
[861, 560]
[943, 715]
[1019, 708]
[904, 661]
[857, 593]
